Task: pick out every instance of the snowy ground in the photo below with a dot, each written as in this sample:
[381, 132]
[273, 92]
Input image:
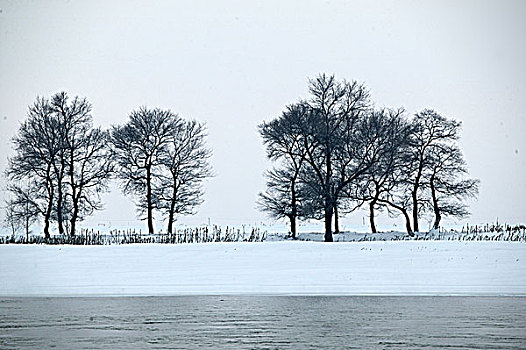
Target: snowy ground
[286, 267]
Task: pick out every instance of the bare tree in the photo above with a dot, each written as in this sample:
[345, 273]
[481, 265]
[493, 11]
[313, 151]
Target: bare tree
[400, 202]
[90, 166]
[63, 161]
[140, 146]
[36, 147]
[185, 167]
[335, 154]
[340, 142]
[384, 178]
[448, 189]
[283, 197]
[430, 130]
[284, 141]
[21, 208]
[350, 154]
[84, 162]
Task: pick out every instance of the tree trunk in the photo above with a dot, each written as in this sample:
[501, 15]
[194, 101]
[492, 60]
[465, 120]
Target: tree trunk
[73, 222]
[328, 223]
[74, 195]
[149, 200]
[51, 192]
[47, 217]
[438, 217]
[27, 221]
[293, 225]
[60, 197]
[336, 220]
[404, 212]
[59, 208]
[329, 203]
[371, 215]
[173, 202]
[436, 209]
[74, 216]
[171, 215]
[27, 227]
[169, 229]
[294, 206]
[407, 222]
[414, 193]
[415, 210]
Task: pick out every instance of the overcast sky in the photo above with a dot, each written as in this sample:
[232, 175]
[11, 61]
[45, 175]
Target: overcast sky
[233, 64]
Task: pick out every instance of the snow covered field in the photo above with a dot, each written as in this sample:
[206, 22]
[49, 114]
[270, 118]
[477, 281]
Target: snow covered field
[287, 267]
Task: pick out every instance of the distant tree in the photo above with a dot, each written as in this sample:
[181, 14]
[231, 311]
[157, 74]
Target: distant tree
[430, 130]
[447, 186]
[36, 147]
[140, 148]
[185, 166]
[286, 145]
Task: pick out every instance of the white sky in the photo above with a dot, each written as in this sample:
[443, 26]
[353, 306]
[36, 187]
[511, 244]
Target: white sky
[234, 64]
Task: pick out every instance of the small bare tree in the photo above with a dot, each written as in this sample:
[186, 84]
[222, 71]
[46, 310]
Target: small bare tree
[21, 208]
[447, 186]
[430, 130]
[283, 197]
[285, 144]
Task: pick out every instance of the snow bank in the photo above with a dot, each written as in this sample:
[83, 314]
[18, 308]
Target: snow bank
[365, 268]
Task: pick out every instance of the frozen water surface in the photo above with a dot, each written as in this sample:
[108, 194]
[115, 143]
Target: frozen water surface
[263, 322]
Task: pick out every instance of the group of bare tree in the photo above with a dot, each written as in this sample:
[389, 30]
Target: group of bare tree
[334, 153]
[162, 161]
[62, 164]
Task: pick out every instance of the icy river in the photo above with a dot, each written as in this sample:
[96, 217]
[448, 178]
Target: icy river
[263, 322]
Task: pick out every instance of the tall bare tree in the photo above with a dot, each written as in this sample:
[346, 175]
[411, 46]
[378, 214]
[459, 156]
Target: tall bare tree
[140, 147]
[335, 152]
[185, 167]
[84, 162]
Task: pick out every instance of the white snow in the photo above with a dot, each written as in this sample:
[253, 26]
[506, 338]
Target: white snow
[287, 267]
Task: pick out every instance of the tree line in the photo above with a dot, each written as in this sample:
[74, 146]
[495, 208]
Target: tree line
[62, 164]
[334, 152]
